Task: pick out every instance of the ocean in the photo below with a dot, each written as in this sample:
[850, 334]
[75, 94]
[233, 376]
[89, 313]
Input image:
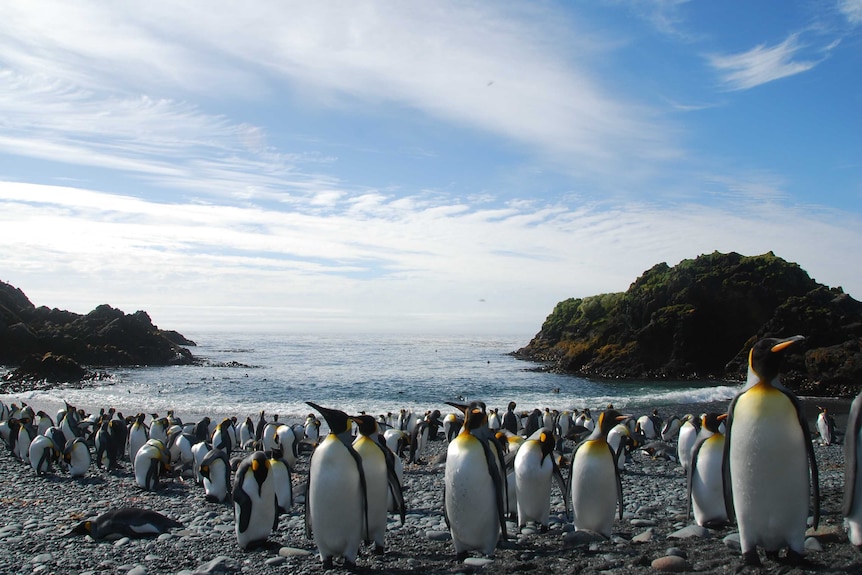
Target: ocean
[242, 374]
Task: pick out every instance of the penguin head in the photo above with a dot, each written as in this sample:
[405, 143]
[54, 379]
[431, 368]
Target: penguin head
[82, 528]
[764, 359]
[546, 440]
[259, 466]
[338, 421]
[367, 425]
[474, 418]
[608, 419]
[712, 421]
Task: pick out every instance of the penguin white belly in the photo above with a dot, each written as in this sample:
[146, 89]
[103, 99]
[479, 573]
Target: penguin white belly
[262, 503]
[707, 486]
[769, 471]
[533, 484]
[335, 496]
[854, 517]
[215, 487]
[377, 483]
[471, 504]
[594, 488]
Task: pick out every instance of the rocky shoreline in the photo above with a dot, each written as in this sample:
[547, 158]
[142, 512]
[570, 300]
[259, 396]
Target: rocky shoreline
[653, 535]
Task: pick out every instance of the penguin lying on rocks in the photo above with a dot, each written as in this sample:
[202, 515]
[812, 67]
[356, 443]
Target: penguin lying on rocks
[125, 522]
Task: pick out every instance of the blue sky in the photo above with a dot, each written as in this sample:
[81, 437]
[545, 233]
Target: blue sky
[428, 167]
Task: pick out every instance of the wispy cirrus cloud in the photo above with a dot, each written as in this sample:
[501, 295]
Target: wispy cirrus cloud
[852, 10]
[761, 64]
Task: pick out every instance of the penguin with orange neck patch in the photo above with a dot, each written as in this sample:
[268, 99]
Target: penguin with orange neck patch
[768, 456]
[475, 486]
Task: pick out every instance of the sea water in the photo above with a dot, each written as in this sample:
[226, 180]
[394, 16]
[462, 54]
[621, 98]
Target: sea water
[242, 374]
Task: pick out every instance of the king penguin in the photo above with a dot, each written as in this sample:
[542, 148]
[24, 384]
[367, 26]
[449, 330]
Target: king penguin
[852, 504]
[378, 464]
[826, 426]
[76, 456]
[688, 433]
[215, 475]
[535, 468]
[768, 453]
[125, 522]
[475, 486]
[705, 477]
[254, 501]
[594, 479]
[336, 506]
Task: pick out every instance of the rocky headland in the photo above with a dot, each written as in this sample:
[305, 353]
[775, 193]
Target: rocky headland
[50, 345]
[699, 319]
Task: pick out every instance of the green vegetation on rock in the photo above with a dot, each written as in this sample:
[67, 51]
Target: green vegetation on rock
[699, 318]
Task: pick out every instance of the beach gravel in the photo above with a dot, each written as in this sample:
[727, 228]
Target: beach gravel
[654, 535]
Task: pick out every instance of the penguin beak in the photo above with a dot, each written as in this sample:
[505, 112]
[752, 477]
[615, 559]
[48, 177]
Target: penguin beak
[786, 343]
[722, 417]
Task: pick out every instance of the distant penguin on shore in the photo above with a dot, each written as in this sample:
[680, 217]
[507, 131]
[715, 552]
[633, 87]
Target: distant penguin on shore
[826, 426]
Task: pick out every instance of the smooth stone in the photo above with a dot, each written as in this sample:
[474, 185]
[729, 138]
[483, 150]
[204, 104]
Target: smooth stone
[220, 564]
[828, 533]
[42, 558]
[690, 531]
[671, 564]
[644, 537]
[276, 561]
[438, 535]
[636, 522]
[477, 561]
[676, 551]
[732, 542]
[812, 544]
[121, 541]
[137, 570]
[293, 552]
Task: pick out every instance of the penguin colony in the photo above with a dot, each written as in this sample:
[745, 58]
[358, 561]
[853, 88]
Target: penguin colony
[753, 466]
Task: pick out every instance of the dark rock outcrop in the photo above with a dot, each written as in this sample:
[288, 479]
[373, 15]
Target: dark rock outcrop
[699, 319]
[42, 340]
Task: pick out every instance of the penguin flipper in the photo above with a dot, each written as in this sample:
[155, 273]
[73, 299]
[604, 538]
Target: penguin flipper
[619, 482]
[809, 448]
[854, 422]
[241, 498]
[725, 463]
[690, 475]
[499, 480]
[363, 484]
[394, 484]
[308, 500]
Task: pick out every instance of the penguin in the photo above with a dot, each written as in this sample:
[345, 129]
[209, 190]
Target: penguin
[494, 422]
[76, 456]
[670, 429]
[312, 429]
[281, 480]
[452, 425]
[221, 438]
[418, 441]
[139, 434]
[335, 506]
[287, 441]
[534, 423]
[254, 500]
[768, 454]
[130, 522]
[396, 440]
[151, 458]
[852, 501]
[511, 423]
[105, 444]
[378, 465]
[475, 487]
[826, 426]
[159, 429]
[42, 422]
[215, 475]
[688, 433]
[619, 437]
[199, 451]
[705, 480]
[261, 423]
[25, 435]
[594, 479]
[43, 453]
[535, 468]
[649, 425]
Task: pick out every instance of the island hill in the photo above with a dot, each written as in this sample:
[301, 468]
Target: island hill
[699, 319]
[50, 346]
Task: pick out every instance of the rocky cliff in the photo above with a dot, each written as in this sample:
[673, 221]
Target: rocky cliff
[55, 341]
[699, 318]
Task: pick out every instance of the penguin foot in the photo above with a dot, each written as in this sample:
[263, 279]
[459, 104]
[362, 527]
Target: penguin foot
[795, 559]
[543, 528]
[751, 558]
[327, 563]
[772, 555]
[378, 550]
[460, 556]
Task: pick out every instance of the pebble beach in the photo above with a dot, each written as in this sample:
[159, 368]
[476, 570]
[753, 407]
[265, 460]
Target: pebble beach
[655, 535]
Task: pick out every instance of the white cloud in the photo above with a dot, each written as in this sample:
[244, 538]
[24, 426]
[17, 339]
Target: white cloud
[245, 267]
[852, 10]
[761, 64]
